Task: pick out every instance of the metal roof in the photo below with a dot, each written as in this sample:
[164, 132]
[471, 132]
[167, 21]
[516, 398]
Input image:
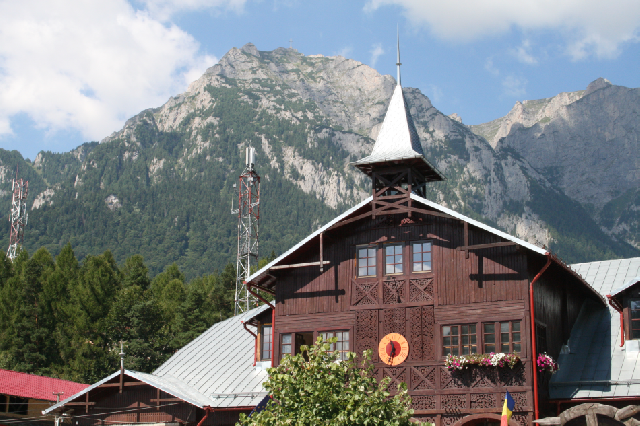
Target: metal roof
[628, 284]
[28, 385]
[596, 366]
[219, 364]
[398, 138]
[215, 369]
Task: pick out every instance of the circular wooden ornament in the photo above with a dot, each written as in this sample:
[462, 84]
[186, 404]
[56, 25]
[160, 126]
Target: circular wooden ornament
[386, 349]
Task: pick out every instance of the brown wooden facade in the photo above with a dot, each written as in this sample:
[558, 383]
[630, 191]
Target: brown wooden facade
[136, 402]
[476, 277]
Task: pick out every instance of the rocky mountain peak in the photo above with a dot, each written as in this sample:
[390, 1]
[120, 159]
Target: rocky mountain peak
[251, 49]
[597, 84]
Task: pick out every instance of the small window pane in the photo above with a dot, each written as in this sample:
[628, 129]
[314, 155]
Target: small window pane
[515, 326]
[516, 347]
[446, 330]
[366, 261]
[504, 327]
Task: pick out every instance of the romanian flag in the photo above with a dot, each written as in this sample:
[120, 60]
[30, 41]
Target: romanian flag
[507, 409]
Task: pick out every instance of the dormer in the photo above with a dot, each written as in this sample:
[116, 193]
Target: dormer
[626, 300]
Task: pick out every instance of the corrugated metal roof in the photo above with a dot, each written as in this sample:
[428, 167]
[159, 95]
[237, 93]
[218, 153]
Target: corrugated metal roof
[597, 367]
[37, 387]
[215, 369]
[219, 364]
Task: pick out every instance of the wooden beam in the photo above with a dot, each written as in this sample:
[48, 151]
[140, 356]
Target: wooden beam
[80, 403]
[466, 238]
[296, 265]
[321, 250]
[159, 400]
[113, 385]
[485, 246]
[264, 289]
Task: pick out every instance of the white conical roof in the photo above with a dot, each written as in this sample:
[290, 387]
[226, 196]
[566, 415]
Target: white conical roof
[398, 139]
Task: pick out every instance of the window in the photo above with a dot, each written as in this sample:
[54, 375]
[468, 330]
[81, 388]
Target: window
[459, 339]
[421, 256]
[286, 344]
[18, 405]
[489, 337]
[3, 404]
[265, 352]
[393, 258]
[366, 261]
[634, 321]
[342, 345]
[507, 339]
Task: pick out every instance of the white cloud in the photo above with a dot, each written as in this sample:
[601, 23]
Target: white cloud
[590, 27]
[488, 65]
[164, 9]
[435, 93]
[89, 65]
[523, 54]
[514, 86]
[376, 52]
[345, 51]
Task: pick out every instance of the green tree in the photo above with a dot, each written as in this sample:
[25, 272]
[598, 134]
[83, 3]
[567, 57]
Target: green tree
[313, 388]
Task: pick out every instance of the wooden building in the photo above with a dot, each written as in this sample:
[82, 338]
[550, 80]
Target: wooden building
[414, 282]
[209, 382]
[24, 396]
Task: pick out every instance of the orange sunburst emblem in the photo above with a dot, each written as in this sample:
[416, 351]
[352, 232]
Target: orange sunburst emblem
[393, 349]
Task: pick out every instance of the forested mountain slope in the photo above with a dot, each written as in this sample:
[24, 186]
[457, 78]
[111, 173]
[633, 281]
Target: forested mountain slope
[162, 186]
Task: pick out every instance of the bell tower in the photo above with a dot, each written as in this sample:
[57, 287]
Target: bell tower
[397, 166]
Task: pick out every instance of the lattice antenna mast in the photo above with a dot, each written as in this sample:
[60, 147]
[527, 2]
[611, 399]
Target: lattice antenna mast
[18, 216]
[248, 231]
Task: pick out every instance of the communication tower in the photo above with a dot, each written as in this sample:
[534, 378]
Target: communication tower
[18, 216]
[248, 220]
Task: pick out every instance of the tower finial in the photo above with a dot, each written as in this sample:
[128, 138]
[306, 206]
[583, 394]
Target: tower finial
[398, 63]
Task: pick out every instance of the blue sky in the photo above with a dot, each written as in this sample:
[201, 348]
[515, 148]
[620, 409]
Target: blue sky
[75, 71]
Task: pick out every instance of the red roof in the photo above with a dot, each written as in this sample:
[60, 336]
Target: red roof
[37, 387]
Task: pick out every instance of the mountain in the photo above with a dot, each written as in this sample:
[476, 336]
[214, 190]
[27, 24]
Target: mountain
[586, 144]
[162, 186]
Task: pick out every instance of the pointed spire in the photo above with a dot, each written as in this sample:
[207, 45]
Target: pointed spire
[398, 63]
[398, 140]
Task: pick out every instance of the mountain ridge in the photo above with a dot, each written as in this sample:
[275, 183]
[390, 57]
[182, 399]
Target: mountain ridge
[162, 185]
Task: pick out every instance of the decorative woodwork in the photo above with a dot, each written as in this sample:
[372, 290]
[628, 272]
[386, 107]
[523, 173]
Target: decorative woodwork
[415, 334]
[366, 332]
[423, 378]
[393, 291]
[428, 340]
[423, 402]
[458, 379]
[450, 420]
[365, 293]
[421, 290]
[482, 377]
[519, 398]
[453, 403]
[521, 418]
[512, 377]
[393, 321]
[483, 400]
[397, 375]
